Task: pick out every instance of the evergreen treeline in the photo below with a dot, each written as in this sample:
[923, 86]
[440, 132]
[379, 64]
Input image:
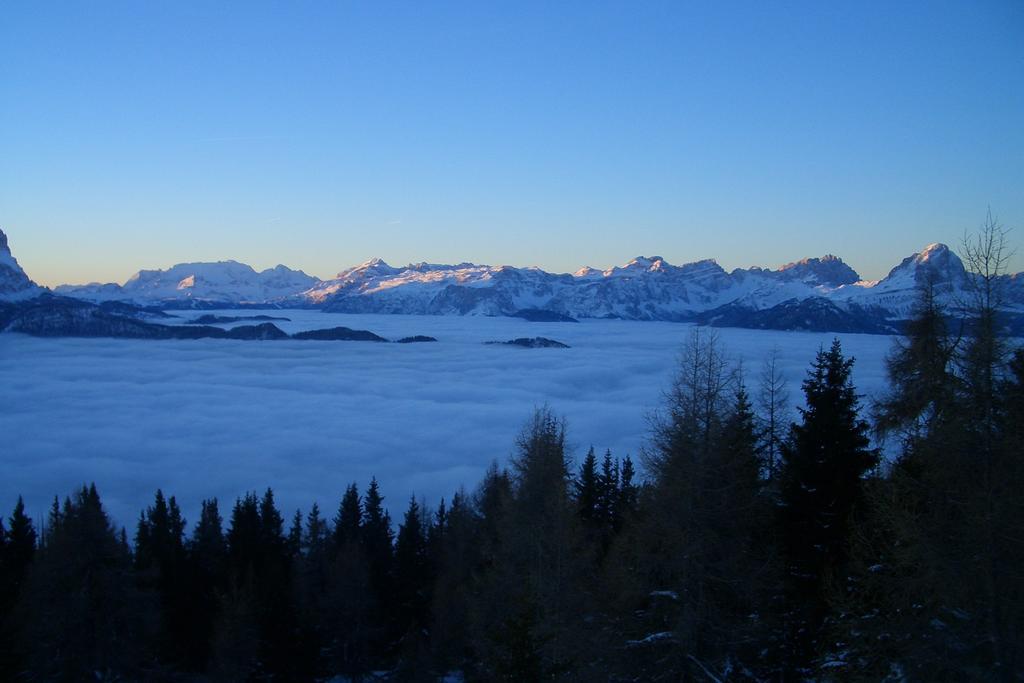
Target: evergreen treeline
[755, 548]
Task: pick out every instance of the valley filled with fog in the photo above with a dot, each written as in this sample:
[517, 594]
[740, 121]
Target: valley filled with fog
[215, 417]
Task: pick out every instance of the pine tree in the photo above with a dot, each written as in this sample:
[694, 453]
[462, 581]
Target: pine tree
[208, 546]
[628, 493]
[587, 491]
[314, 557]
[437, 533]
[739, 442]
[377, 536]
[271, 527]
[19, 550]
[377, 539]
[825, 460]
[243, 537]
[349, 600]
[279, 646]
[53, 520]
[316, 536]
[294, 541]
[260, 598]
[349, 521]
[207, 552]
[412, 579]
[160, 564]
[609, 495]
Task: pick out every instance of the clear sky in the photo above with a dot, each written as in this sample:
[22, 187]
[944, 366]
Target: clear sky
[559, 134]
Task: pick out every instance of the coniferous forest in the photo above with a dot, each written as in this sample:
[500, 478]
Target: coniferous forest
[741, 545]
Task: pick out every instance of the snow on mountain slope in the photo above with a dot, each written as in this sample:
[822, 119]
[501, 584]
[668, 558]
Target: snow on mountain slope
[15, 285]
[225, 281]
[897, 291]
[645, 288]
[375, 287]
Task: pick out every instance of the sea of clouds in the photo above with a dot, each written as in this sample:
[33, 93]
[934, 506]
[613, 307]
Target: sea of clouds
[211, 417]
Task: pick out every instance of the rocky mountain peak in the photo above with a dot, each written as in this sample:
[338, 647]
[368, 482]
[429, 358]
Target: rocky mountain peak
[14, 283]
[936, 260]
[829, 270]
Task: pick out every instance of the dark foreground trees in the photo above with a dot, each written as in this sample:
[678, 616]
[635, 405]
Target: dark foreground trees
[740, 555]
[936, 592]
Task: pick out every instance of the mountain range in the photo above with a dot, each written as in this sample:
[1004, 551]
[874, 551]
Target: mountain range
[813, 293]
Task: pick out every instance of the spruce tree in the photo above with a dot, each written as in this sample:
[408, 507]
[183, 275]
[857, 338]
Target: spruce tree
[437, 534]
[19, 548]
[412, 579]
[243, 537]
[608, 496]
[207, 552]
[377, 539]
[349, 602]
[825, 460]
[587, 490]
[294, 541]
[349, 519]
[315, 537]
[271, 526]
[628, 493]
[160, 565]
[279, 647]
[208, 546]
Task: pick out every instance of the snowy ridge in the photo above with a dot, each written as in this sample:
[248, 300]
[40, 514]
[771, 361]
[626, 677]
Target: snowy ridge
[225, 281]
[645, 288]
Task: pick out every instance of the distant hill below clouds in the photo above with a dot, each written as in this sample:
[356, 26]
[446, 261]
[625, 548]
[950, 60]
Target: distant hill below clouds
[813, 293]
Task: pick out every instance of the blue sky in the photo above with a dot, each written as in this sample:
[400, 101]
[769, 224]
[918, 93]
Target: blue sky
[137, 135]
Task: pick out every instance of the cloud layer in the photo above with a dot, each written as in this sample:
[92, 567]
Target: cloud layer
[210, 418]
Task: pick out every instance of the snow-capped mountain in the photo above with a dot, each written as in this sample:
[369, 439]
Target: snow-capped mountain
[646, 288]
[896, 292]
[813, 293]
[15, 285]
[649, 288]
[224, 282]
